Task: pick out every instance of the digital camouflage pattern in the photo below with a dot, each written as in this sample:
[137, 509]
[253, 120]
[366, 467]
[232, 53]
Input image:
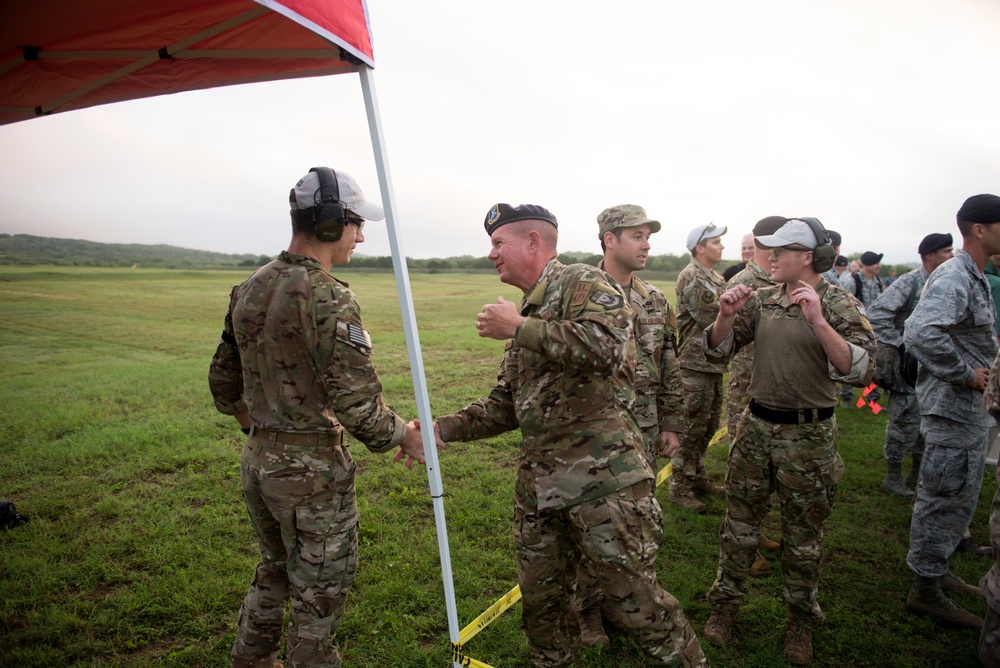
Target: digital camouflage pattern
[741, 365]
[797, 462]
[698, 292]
[888, 318]
[295, 355]
[800, 464]
[989, 640]
[582, 482]
[566, 380]
[871, 288]
[949, 332]
[619, 535]
[951, 477]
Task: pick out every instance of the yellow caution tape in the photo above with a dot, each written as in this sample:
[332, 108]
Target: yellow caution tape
[462, 660]
[667, 470]
[494, 611]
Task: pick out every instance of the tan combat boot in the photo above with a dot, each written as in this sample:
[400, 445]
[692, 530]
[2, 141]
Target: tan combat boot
[765, 543]
[760, 567]
[719, 628]
[798, 644]
[926, 597]
[893, 483]
[705, 486]
[951, 582]
[686, 499]
[592, 631]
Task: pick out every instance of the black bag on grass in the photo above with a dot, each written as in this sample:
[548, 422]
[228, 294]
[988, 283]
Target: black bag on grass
[9, 517]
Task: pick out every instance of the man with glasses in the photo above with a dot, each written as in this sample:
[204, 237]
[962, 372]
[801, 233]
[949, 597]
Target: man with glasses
[807, 336]
[294, 368]
[698, 290]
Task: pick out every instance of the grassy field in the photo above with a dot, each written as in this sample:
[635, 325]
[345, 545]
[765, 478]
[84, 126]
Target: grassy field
[139, 551]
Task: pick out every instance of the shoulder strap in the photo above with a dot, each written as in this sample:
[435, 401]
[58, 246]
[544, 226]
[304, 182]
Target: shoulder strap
[857, 286]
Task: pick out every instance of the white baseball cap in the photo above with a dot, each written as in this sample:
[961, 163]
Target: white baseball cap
[306, 195]
[793, 233]
[703, 233]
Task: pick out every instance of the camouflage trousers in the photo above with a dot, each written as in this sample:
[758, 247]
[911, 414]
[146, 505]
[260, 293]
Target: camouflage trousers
[703, 408]
[303, 509]
[902, 434]
[619, 535]
[740, 368]
[989, 639]
[951, 476]
[800, 463]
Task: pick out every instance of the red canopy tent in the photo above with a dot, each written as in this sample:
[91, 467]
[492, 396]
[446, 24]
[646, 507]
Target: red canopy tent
[61, 55]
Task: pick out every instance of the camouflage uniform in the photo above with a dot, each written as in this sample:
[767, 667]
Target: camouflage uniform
[888, 315]
[582, 485]
[295, 355]
[950, 332]
[989, 639]
[742, 363]
[659, 403]
[871, 288]
[698, 291]
[798, 461]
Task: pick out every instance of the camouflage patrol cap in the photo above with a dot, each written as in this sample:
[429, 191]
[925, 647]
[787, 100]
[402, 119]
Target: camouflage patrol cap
[502, 213]
[624, 215]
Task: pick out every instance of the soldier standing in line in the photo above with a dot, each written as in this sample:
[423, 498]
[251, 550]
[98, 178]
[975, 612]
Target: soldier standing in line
[294, 368]
[808, 335]
[888, 315]
[624, 231]
[952, 335]
[756, 275]
[989, 639]
[583, 487]
[698, 290]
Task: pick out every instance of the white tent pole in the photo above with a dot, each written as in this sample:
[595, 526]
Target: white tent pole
[412, 347]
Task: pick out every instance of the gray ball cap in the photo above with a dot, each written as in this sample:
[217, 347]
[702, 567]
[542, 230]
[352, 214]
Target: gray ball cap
[703, 233]
[624, 215]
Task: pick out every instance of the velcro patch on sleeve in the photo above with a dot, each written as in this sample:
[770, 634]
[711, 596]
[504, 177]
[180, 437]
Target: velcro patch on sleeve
[354, 335]
[580, 293]
[609, 301]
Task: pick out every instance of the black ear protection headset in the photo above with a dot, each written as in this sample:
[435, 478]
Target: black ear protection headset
[823, 254]
[329, 213]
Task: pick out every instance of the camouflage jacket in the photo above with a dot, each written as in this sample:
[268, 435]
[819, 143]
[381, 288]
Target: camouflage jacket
[566, 380]
[951, 332]
[659, 401]
[698, 291]
[295, 355]
[799, 361]
[889, 312]
[754, 278]
[871, 288]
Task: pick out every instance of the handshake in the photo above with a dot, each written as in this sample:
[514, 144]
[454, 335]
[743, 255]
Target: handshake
[412, 447]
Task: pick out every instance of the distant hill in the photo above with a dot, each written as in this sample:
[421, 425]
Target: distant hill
[27, 249]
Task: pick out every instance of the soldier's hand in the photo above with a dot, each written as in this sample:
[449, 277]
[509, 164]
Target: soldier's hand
[499, 321]
[981, 378]
[669, 444]
[890, 373]
[412, 446]
[805, 296]
[733, 299]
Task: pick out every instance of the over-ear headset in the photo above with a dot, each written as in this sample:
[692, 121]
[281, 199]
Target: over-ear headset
[329, 213]
[823, 254]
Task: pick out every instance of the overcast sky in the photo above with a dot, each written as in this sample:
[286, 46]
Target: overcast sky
[879, 117]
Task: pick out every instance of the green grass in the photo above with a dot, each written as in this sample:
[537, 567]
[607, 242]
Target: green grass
[139, 551]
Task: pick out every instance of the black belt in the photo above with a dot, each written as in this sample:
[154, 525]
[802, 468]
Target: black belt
[801, 416]
[315, 439]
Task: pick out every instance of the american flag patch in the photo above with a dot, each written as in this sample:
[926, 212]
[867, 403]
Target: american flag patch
[355, 335]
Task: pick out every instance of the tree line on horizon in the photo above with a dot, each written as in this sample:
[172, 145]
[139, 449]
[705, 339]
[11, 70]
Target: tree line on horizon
[28, 250]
